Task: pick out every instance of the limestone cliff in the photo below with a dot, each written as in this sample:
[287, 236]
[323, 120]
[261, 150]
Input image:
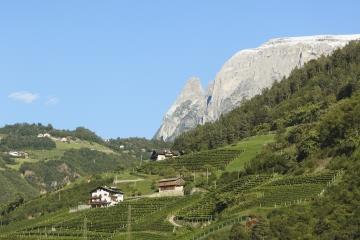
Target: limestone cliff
[243, 76]
[186, 112]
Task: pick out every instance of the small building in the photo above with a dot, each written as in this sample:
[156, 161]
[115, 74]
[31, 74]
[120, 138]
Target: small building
[171, 187]
[65, 139]
[159, 155]
[41, 135]
[105, 197]
[18, 154]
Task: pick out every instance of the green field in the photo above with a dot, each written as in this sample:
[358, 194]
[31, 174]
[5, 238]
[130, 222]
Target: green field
[58, 152]
[251, 147]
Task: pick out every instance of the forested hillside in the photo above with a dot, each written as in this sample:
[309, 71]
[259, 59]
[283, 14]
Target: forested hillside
[299, 99]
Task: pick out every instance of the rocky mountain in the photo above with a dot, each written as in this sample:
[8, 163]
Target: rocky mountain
[186, 112]
[243, 76]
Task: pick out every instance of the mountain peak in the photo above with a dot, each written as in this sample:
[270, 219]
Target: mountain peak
[243, 76]
[185, 113]
[192, 87]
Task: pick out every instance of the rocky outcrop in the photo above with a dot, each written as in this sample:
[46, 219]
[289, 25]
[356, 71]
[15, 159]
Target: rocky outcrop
[186, 113]
[243, 76]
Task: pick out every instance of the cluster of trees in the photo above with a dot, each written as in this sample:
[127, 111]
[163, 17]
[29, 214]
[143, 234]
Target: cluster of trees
[299, 99]
[26, 129]
[137, 146]
[19, 142]
[337, 133]
[73, 164]
[12, 205]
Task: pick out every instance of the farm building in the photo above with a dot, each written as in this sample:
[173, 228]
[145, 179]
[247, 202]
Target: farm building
[105, 197]
[171, 187]
[18, 154]
[159, 155]
[41, 135]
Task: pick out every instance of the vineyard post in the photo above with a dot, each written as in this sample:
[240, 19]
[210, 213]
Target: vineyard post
[129, 223]
[85, 228]
[207, 176]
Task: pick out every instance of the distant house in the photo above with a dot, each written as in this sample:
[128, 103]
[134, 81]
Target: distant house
[159, 155]
[171, 187]
[41, 135]
[105, 197]
[65, 139]
[18, 154]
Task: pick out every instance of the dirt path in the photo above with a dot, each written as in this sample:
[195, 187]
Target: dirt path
[128, 180]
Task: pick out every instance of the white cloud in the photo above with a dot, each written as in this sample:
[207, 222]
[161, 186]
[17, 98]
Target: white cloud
[23, 96]
[52, 101]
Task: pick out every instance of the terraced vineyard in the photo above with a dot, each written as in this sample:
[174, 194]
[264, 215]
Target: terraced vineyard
[149, 217]
[101, 222]
[218, 158]
[287, 191]
[259, 191]
[203, 210]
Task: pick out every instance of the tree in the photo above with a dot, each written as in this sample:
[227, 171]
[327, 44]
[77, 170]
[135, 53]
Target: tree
[237, 232]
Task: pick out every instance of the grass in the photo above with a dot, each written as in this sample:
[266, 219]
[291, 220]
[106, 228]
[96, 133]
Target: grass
[251, 146]
[132, 188]
[58, 152]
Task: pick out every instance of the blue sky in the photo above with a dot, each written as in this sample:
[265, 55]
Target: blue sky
[116, 66]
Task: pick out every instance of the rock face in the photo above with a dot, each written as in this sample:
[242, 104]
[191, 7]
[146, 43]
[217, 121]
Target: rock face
[186, 113]
[243, 76]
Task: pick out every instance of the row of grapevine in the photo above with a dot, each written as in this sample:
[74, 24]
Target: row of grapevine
[305, 179]
[103, 220]
[218, 158]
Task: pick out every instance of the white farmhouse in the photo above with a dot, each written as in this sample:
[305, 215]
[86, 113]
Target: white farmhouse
[18, 154]
[65, 139]
[105, 197]
[171, 187]
[44, 135]
[159, 155]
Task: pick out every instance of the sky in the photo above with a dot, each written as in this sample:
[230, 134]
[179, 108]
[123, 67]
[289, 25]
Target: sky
[116, 66]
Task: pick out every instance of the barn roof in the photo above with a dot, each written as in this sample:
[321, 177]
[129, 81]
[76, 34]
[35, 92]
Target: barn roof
[171, 182]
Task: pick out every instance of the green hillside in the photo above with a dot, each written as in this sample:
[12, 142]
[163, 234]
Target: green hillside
[49, 163]
[251, 147]
[284, 165]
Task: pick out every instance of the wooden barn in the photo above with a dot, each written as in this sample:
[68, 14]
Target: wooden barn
[171, 187]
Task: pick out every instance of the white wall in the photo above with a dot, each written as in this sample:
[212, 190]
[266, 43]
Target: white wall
[161, 157]
[106, 197]
[177, 191]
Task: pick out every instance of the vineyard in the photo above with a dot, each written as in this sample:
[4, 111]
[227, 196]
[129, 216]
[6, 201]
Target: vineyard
[148, 217]
[258, 191]
[286, 191]
[102, 222]
[218, 159]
